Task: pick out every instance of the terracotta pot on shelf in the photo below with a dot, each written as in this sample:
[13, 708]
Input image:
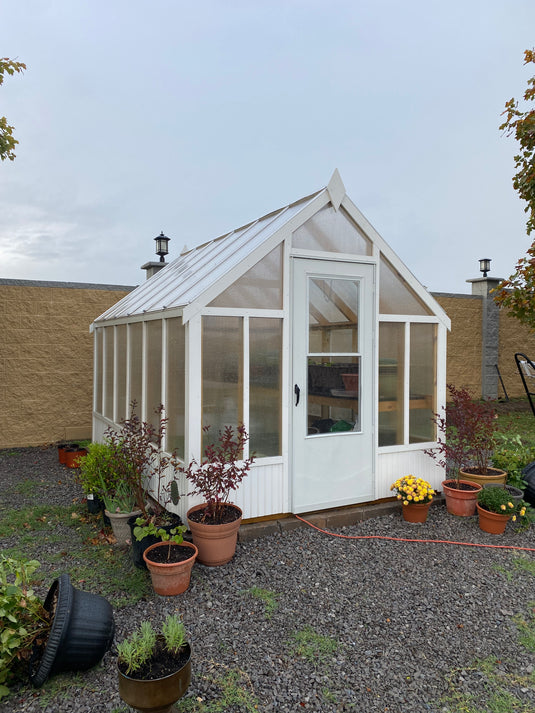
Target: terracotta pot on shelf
[460, 501]
[415, 512]
[216, 543]
[495, 475]
[492, 522]
[170, 578]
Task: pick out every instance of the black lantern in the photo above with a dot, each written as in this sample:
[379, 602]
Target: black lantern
[161, 246]
[484, 265]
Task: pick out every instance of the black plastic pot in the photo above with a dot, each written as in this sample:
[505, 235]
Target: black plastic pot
[82, 631]
[94, 505]
[139, 546]
[529, 477]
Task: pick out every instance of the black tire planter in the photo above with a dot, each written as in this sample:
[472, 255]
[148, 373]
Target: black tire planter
[81, 633]
[139, 546]
[529, 477]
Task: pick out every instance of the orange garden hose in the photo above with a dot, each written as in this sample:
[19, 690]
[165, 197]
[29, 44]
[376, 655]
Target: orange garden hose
[409, 539]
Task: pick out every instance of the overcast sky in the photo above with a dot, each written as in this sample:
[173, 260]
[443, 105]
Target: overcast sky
[136, 116]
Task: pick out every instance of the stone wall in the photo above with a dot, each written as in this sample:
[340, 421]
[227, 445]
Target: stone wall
[46, 359]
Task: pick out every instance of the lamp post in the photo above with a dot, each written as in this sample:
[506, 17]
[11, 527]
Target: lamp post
[484, 265]
[162, 246]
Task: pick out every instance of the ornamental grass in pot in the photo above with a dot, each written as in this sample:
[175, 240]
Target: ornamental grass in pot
[214, 524]
[154, 669]
[416, 496]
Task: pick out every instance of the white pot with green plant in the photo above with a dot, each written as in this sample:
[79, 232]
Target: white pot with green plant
[154, 669]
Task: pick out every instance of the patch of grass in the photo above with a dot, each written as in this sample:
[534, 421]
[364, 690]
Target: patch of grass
[28, 487]
[268, 597]
[520, 564]
[236, 693]
[526, 628]
[312, 646]
[34, 518]
[61, 687]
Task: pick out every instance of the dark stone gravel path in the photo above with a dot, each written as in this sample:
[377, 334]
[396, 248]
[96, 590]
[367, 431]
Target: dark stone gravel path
[400, 618]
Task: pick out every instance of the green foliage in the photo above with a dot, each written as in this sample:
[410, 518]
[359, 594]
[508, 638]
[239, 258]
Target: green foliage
[139, 647]
[312, 646]
[512, 455]
[498, 500]
[7, 140]
[235, 694]
[144, 528]
[518, 292]
[24, 619]
[526, 628]
[269, 598]
[120, 500]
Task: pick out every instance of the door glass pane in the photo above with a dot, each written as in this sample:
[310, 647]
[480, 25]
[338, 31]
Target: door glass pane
[391, 369]
[333, 394]
[222, 375]
[265, 397]
[422, 383]
[332, 315]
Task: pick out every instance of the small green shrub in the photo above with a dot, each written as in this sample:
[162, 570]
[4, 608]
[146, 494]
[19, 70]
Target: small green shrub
[512, 455]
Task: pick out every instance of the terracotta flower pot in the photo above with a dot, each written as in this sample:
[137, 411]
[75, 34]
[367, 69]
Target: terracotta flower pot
[72, 455]
[170, 578]
[415, 512]
[157, 695]
[496, 475]
[492, 522]
[216, 543]
[460, 501]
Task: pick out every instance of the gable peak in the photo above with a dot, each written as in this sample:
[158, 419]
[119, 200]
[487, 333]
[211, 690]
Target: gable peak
[336, 189]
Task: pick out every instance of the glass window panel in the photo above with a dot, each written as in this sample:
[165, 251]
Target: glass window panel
[395, 295]
[332, 230]
[222, 375]
[333, 315]
[135, 345]
[260, 287]
[265, 397]
[422, 383]
[333, 394]
[175, 397]
[153, 370]
[108, 372]
[120, 336]
[98, 370]
[391, 370]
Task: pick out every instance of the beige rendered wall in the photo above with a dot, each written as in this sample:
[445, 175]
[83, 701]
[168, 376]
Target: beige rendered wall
[464, 340]
[46, 359]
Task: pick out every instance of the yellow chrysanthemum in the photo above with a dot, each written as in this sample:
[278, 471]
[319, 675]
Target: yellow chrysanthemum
[502, 507]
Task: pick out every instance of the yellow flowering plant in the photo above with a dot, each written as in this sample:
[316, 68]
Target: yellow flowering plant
[498, 500]
[411, 490]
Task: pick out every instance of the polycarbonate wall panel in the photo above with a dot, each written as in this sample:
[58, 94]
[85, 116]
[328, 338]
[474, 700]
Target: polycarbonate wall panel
[395, 295]
[331, 230]
[120, 360]
[265, 397]
[222, 375]
[135, 339]
[260, 287]
[175, 392]
[422, 382]
[153, 370]
[108, 372]
[391, 380]
[98, 369]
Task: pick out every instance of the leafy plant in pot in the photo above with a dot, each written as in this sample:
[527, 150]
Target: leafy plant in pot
[154, 669]
[465, 436]
[169, 560]
[70, 631]
[495, 508]
[214, 524]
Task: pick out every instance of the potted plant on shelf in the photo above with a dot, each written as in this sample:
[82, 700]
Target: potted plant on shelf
[154, 669]
[214, 524]
[461, 441]
[169, 559]
[416, 496]
[495, 508]
[70, 631]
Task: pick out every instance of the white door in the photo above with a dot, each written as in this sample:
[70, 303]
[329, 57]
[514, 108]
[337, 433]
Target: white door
[332, 357]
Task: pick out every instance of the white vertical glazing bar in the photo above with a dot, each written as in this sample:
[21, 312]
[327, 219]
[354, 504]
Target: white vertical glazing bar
[246, 382]
[406, 384]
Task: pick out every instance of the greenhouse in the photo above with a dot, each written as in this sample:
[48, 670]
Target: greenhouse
[305, 327]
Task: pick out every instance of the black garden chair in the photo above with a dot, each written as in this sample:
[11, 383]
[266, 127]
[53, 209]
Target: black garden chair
[526, 369]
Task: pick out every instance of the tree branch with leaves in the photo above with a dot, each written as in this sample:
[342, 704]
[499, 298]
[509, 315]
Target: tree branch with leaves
[7, 140]
[518, 292]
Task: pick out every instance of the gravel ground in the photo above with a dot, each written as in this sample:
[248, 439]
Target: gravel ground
[405, 617]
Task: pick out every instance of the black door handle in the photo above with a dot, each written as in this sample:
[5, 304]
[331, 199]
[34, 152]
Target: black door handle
[297, 392]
